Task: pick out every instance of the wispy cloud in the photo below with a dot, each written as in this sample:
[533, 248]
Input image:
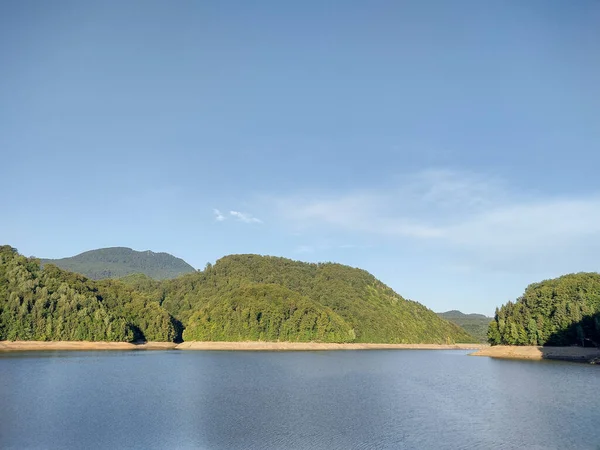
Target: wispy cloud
[328, 245]
[354, 246]
[304, 249]
[467, 212]
[244, 217]
[420, 206]
[218, 216]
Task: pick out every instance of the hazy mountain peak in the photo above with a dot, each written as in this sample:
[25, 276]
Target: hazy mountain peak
[116, 262]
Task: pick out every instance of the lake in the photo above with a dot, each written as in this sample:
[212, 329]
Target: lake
[376, 399]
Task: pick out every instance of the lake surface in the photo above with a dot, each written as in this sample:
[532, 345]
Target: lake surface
[375, 399]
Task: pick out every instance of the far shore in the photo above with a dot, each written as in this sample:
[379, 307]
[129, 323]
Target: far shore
[82, 345]
[238, 346]
[578, 354]
[258, 345]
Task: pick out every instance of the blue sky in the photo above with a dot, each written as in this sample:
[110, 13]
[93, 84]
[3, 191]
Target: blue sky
[450, 148]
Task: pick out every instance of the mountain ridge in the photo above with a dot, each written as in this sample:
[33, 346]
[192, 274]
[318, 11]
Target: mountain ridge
[117, 262]
[473, 323]
[457, 313]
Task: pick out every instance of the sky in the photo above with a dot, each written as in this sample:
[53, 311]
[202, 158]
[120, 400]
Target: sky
[452, 149]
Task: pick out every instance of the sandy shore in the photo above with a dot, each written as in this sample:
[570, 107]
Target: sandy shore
[275, 346]
[317, 346]
[538, 353]
[499, 351]
[82, 345]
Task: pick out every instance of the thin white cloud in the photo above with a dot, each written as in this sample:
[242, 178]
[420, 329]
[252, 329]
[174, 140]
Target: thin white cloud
[464, 212]
[354, 246]
[362, 212]
[304, 249]
[244, 217]
[218, 216]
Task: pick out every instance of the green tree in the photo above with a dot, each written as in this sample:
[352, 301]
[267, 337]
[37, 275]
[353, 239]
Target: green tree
[560, 311]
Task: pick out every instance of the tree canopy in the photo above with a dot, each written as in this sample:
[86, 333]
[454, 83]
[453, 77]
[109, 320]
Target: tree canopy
[371, 310]
[561, 311]
[53, 304]
[240, 297]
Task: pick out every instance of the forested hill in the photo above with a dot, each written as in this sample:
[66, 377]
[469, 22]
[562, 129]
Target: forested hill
[53, 304]
[561, 311]
[116, 262]
[474, 324]
[252, 297]
[241, 297]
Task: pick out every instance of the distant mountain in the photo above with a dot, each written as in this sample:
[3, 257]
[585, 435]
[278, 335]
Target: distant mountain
[116, 262]
[475, 324]
[455, 314]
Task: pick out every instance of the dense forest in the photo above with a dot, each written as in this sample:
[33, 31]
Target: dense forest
[116, 262]
[240, 297]
[474, 324]
[561, 311]
[53, 304]
[266, 312]
[351, 299]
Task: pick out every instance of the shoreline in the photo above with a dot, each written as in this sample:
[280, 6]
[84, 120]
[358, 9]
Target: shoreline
[531, 353]
[537, 353]
[303, 346]
[7, 346]
[18, 346]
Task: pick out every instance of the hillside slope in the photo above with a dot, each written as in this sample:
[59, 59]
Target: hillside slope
[235, 298]
[561, 311]
[116, 262]
[474, 324]
[51, 304]
[240, 298]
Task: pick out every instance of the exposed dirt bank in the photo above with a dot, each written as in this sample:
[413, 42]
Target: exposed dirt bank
[578, 354]
[317, 346]
[85, 345]
[82, 345]
[500, 351]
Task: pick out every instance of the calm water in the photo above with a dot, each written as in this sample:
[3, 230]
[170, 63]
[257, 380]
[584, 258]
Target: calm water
[305, 400]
